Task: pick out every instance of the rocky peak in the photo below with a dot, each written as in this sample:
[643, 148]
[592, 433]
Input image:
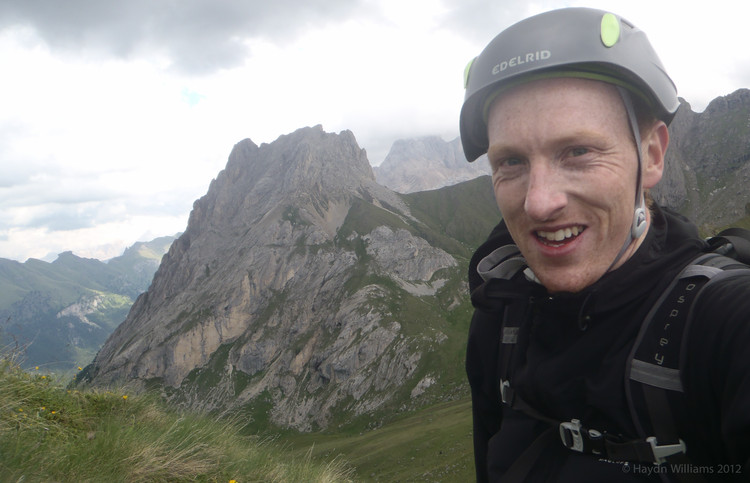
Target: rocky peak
[424, 163]
[283, 287]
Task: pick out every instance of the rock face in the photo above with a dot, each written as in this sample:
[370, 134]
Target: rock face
[427, 163]
[708, 162]
[289, 293]
[707, 168]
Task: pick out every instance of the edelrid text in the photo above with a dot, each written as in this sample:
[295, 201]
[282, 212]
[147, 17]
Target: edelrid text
[521, 59]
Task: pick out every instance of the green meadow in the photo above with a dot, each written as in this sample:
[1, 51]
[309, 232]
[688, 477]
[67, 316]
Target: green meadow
[52, 433]
[49, 433]
[432, 444]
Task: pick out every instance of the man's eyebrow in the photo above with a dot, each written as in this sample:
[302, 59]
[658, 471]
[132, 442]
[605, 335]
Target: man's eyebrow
[582, 137]
[500, 150]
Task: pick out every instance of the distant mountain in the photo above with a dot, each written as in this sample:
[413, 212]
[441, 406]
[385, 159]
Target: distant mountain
[427, 163]
[60, 313]
[305, 294]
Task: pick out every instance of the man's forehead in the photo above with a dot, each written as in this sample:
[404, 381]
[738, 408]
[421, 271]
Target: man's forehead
[575, 107]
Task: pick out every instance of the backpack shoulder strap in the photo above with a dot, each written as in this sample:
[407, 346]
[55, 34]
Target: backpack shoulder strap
[653, 369]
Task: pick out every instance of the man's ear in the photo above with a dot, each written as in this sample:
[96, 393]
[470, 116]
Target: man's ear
[654, 146]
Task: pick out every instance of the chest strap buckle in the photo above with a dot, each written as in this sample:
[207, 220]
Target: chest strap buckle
[577, 438]
[661, 453]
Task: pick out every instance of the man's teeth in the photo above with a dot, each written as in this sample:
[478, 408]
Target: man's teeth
[561, 234]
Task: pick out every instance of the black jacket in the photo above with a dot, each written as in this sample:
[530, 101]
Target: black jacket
[572, 365]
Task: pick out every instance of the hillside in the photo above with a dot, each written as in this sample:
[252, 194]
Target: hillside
[305, 295]
[60, 313]
[49, 433]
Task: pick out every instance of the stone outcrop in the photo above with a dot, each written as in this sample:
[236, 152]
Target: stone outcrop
[279, 292]
[427, 163]
[708, 162]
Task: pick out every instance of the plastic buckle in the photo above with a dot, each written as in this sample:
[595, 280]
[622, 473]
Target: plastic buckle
[504, 387]
[661, 453]
[570, 434]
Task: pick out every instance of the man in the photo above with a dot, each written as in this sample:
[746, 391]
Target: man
[572, 108]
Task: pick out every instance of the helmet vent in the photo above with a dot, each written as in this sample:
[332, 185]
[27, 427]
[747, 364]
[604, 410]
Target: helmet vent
[610, 29]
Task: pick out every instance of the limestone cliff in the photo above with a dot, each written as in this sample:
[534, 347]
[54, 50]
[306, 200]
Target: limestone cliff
[300, 291]
[427, 163]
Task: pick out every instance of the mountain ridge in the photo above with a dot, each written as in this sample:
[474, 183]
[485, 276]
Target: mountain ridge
[59, 313]
[297, 287]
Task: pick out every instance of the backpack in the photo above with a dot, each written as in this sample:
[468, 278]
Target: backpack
[652, 370]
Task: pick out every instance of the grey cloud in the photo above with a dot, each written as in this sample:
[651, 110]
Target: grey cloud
[63, 220]
[199, 36]
[480, 20]
[55, 188]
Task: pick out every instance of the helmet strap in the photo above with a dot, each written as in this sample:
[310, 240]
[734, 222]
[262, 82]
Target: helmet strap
[639, 223]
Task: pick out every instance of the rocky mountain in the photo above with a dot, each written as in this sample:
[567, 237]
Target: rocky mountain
[708, 162]
[304, 293]
[58, 314]
[427, 163]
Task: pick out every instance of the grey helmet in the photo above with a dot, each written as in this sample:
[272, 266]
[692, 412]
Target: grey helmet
[577, 42]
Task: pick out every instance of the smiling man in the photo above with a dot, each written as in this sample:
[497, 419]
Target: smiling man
[572, 108]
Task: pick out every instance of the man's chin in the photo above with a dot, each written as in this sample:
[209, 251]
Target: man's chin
[569, 281]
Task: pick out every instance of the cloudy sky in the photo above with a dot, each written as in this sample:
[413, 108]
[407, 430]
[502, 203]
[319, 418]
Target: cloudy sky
[116, 115]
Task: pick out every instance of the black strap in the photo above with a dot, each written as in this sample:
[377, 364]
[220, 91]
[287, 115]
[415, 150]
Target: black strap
[662, 419]
[520, 468]
[740, 240]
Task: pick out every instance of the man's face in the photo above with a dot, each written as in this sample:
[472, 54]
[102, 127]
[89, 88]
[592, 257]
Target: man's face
[564, 173]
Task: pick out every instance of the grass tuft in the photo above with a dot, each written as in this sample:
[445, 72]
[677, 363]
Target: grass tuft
[51, 433]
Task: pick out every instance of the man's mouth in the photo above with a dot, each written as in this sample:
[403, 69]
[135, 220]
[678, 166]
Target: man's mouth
[559, 237]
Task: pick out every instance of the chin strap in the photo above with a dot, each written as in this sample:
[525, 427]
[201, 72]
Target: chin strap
[639, 224]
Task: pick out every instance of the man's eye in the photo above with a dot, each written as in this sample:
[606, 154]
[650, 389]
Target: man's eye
[506, 163]
[575, 152]
[509, 166]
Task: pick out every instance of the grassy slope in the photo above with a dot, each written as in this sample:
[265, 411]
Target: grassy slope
[48, 433]
[432, 444]
[465, 212]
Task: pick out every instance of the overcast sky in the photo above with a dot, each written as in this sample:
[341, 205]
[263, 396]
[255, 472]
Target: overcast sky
[116, 115]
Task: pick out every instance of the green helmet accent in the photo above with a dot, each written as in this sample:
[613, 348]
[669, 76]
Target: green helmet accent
[610, 29]
[570, 42]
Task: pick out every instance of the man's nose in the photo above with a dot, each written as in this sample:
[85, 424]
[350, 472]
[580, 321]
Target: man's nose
[545, 194]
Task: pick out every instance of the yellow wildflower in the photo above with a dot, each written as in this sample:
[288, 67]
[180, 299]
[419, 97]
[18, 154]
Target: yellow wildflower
[80, 368]
[125, 397]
